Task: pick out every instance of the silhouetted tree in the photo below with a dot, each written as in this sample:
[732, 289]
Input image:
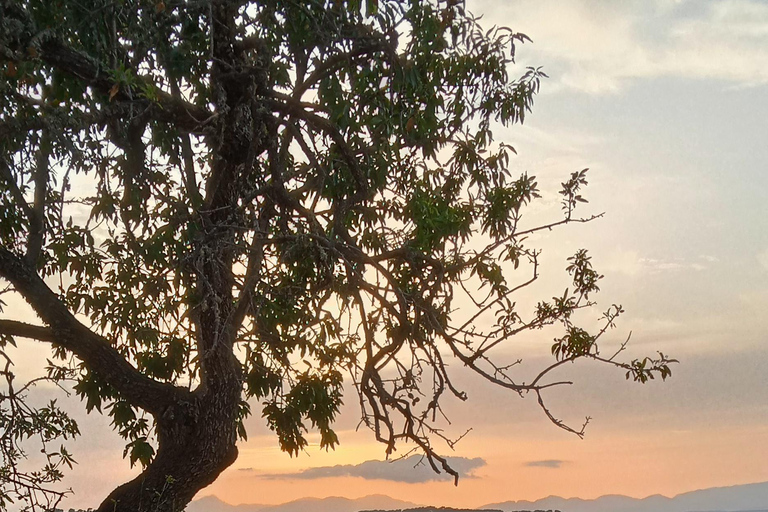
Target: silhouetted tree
[208, 201]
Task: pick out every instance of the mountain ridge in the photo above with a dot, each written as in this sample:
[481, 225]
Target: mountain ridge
[737, 498]
[330, 504]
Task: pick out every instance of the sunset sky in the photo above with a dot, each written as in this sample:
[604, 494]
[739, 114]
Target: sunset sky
[666, 101]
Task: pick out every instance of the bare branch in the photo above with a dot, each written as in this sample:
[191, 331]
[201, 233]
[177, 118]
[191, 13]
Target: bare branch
[37, 332]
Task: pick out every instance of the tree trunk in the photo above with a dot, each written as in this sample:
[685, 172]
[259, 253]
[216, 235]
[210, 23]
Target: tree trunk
[196, 442]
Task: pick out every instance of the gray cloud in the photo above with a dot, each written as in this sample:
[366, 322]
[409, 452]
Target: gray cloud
[412, 470]
[549, 463]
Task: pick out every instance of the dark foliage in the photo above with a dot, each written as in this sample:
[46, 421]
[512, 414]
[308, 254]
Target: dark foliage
[207, 202]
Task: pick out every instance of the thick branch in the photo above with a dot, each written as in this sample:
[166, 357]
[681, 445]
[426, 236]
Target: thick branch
[181, 114]
[187, 158]
[164, 107]
[36, 233]
[66, 331]
[35, 332]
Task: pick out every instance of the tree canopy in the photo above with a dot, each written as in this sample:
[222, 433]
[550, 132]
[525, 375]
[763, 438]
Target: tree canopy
[214, 205]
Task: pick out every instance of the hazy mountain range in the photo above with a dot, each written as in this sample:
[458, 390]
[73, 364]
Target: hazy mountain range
[738, 498]
[750, 497]
[334, 504]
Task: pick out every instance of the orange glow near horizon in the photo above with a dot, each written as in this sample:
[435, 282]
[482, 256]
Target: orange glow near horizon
[636, 464]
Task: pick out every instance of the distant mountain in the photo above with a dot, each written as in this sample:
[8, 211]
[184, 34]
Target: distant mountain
[333, 504]
[214, 504]
[738, 498]
[442, 509]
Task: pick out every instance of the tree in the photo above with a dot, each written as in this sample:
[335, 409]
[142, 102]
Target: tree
[206, 202]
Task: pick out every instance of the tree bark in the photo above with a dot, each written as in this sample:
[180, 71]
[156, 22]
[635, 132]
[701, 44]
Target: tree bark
[196, 442]
[196, 430]
[66, 331]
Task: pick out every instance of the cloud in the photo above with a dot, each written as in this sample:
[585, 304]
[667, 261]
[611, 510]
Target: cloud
[656, 266]
[597, 47]
[414, 469]
[632, 264]
[548, 463]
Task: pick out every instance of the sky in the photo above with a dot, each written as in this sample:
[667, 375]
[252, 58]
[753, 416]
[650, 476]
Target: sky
[666, 101]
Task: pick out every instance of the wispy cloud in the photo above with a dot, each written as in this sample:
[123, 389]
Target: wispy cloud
[632, 264]
[548, 463]
[597, 47]
[655, 265]
[413, 469]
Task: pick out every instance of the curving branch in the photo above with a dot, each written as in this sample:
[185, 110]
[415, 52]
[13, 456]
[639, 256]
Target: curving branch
[339, 61]
[65, 331]
[301, 110]
[163, 107]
